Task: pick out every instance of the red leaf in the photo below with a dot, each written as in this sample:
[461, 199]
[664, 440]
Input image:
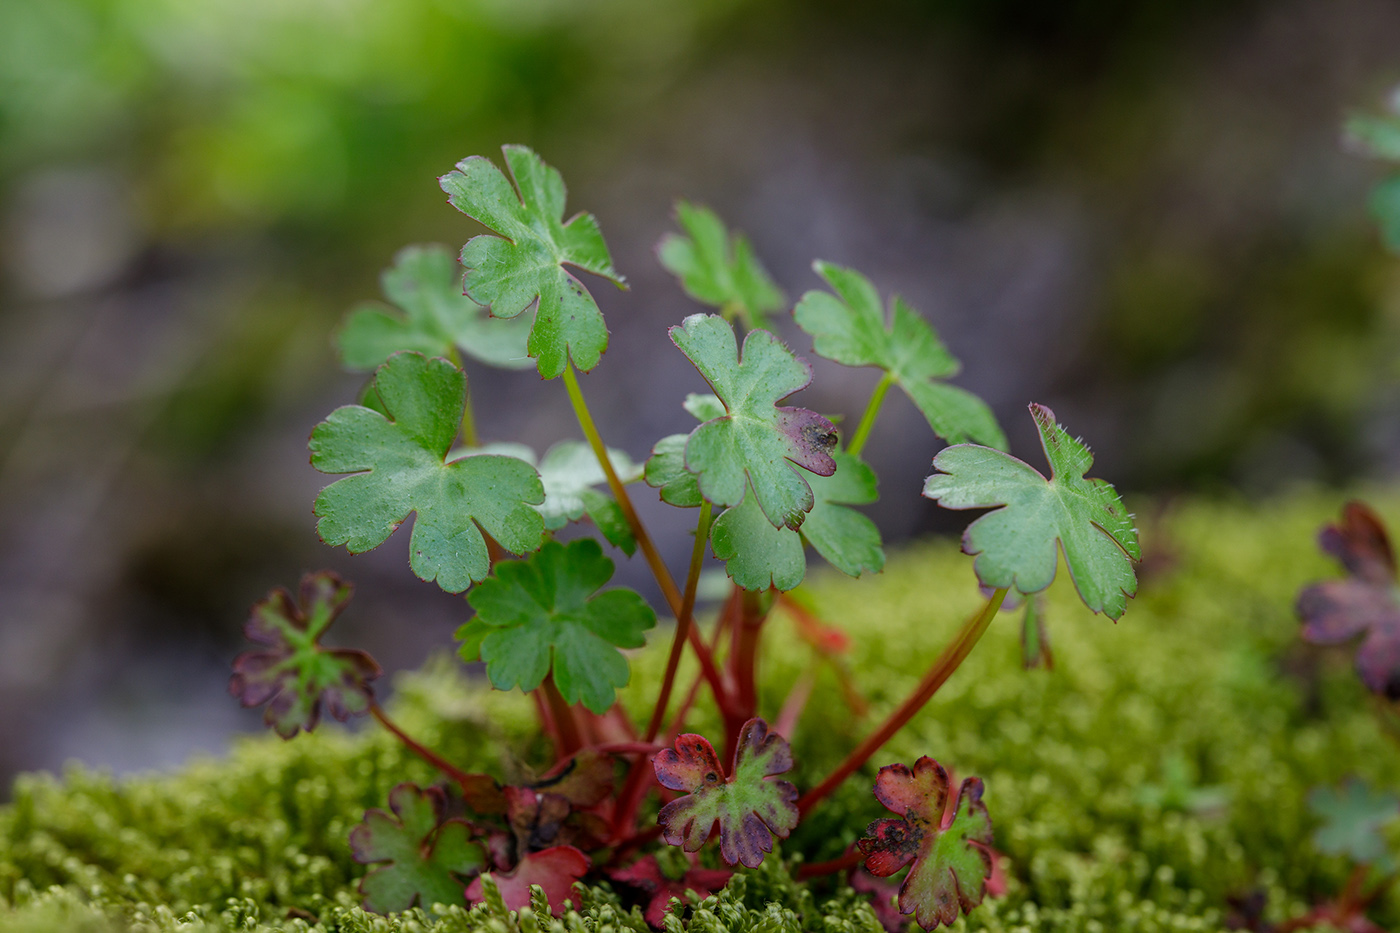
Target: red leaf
[555, 869]
[646, 875]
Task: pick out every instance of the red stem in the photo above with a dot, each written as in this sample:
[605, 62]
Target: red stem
[422, 751]
[743, 666]
[850, 860]
[952, 656]
[693, 693]
[684, 623]
[569, 740]
[795, 703]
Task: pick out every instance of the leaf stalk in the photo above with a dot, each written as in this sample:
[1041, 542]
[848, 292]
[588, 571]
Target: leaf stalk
[422, 751]
[867, 420]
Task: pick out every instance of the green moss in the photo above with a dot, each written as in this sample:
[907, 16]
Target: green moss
[1162, 766]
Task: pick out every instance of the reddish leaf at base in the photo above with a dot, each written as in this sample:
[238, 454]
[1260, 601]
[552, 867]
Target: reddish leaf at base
[555, 870]
[646, 875]
[949, 850]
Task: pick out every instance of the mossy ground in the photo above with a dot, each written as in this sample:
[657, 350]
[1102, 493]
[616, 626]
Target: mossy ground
[1162, 766]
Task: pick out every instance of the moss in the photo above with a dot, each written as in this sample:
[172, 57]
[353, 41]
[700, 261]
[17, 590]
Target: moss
[1162, 766]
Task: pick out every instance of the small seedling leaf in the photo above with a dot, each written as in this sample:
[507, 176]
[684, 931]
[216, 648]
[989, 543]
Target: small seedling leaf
[547, 619]
[293, 673]
[430, 316]
[646, 876]
[427, 858]
[1352, 816]
[949, 850]
[554, 869]
[851, 328]
[1363, 604]
[718, 268]
[1016, 544]
[524, 263]
[751, 807]
[400, 466]
[756, 441]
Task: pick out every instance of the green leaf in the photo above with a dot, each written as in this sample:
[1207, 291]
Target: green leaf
[400, 464]
[755, 442]
[756, 555]
[608, 516]
[1016, 545]
[431, 316]
[1352, 817]
[717, 268]
[850, 327]
[750, 807]
[547, 619]
[292, 673]
[1385, 208]
[665, 470]
[525, 262]
[1378, 136]
[471, 634]
[951, 863]
[705, 407]
[425, 856]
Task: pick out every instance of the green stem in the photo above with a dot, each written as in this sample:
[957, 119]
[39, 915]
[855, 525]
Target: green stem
[469, 437]
[867, 420]
[684, 621]
[422, 751]
[659, 570]
[953, 655]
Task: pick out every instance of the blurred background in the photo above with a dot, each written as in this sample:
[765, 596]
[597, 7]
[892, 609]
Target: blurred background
[1139, 213]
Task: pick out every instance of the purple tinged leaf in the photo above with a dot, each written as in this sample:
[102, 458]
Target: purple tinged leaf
[751, 807]
[292, 673]
[554, 869]
[426, 856]
[646, 875]
[948, 849]
[1336, 611]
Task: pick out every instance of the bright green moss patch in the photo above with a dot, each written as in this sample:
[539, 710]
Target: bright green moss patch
[1163, 765]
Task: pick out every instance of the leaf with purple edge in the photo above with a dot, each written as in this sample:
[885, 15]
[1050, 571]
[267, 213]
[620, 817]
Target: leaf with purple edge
[1016, 545]
[554, 869]
[293, 673]
[756, 442]
[751, 807]
[646, 875]
[523, 263]
[1364, 604]
[949, 850]
[426, 856]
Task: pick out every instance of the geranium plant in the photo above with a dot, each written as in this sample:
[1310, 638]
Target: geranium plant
[767, 480]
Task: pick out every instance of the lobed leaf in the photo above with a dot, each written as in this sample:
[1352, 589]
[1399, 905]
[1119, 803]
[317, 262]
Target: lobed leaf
[1364, 604]
[1016, 545]
[430, 315]
[851, 328]
[1352, 817]
[755, 443]
[524, 262]
[948, 850]
[718, 268]
[425, 856]
[293, 674]
[399, 458]
[548, 620]
[750, 808]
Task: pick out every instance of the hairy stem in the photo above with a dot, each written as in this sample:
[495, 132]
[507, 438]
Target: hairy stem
[422, 751]
[867, 420]
[659, 570]
[684, 620]
[947, 662]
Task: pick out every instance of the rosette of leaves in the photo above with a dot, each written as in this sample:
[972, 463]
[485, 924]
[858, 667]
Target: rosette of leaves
[945, 847]
[293, 673]
[756, 445]
[430, 315]
[1362, 605]
[545, 617]
[523, 263]
[569, 472]
[399, 458]
[1016, 546]
[850, 328]
[751, 807]
[718, 268]
[758, 555]
[423, 857]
